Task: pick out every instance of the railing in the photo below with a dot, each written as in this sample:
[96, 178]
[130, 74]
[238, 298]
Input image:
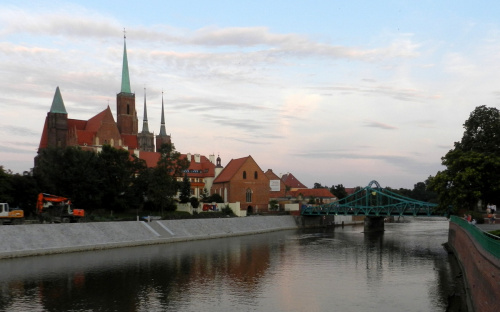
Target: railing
[488, 242]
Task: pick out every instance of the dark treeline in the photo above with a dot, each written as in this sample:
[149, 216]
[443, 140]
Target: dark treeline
[111, 180]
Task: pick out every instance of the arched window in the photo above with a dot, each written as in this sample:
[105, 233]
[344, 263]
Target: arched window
[128, 109]
[244, 174]
[249, 196]
[255, 175]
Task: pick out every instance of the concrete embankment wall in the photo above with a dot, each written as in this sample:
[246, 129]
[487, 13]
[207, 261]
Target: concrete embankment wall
[42, 239]
[481, 269]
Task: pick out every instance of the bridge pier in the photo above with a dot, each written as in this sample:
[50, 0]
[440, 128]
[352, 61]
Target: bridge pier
[374, 224]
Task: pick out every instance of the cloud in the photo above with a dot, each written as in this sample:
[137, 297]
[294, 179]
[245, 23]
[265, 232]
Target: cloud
[379, 125]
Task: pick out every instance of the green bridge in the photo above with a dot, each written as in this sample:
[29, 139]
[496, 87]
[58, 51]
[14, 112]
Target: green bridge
[373, 201]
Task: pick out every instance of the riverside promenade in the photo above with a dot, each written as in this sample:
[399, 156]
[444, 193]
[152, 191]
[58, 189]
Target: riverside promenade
[42, 239]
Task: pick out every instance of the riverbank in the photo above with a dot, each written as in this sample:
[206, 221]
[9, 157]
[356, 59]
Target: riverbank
[43, 239]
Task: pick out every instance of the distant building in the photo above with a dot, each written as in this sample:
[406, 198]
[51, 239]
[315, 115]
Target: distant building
[243, 181]
[292, 182]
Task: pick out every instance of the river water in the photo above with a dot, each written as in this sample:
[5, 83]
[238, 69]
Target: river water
[404, 268]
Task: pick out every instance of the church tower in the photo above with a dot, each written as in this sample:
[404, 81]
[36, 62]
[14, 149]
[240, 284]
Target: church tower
[162, 138]
[126, 118]
[57, 122]
[146, 139]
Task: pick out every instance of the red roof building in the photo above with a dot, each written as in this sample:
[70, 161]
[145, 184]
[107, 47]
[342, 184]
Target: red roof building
[292, 182]
[243, 181]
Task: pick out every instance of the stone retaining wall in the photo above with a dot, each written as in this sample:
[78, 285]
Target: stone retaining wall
[42, 239]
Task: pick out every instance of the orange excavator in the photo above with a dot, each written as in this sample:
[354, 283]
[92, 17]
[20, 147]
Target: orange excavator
[57, 209]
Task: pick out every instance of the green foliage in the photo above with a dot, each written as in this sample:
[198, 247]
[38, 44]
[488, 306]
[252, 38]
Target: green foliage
[72, 173]
[226, 210]
[5, 186]
[185, 189]
[214, 198]
[204, 196]
[161, 182]
[194, 202]
[339, 191]
[273, 205]
[473, 166]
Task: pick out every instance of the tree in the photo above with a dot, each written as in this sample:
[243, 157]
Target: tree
[118, 170]
[185, 189]
[5, 186]
[161, 181]
[70, 172]
[318, 185]
[473, 166]
[339, 191]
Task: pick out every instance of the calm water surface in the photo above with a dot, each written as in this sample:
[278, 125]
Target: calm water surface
[403, 269]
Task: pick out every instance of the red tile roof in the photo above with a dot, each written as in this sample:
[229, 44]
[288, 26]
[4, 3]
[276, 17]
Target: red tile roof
[130, 140]
[318, 192]
[204, 168]
[292, 181]
[230, 170]
[151, 158]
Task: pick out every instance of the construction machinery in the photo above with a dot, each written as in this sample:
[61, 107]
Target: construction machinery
[57, 209]
[10, 215]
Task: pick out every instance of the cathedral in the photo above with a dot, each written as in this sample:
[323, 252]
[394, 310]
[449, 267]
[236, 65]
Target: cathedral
[61, 131]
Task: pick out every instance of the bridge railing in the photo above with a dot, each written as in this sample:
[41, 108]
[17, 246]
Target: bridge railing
[486, 240]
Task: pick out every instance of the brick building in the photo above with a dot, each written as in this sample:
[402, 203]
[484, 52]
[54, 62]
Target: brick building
[243, 181]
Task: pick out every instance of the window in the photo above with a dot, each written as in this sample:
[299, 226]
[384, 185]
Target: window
[128, 109]
[249, 196]
[255, 175]
[244, 174]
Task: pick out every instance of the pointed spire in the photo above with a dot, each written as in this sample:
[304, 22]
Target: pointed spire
[58, 103]
[145, 127]
[162, 128]
[125, 75]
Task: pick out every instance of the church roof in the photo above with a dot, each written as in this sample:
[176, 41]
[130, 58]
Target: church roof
[58, 103]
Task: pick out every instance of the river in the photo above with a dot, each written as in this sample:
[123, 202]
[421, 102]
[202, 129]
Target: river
[404, 268]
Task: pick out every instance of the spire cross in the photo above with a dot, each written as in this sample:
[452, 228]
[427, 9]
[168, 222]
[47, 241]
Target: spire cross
[124, 33]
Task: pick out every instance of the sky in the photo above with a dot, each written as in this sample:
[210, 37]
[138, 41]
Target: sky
[334, 92]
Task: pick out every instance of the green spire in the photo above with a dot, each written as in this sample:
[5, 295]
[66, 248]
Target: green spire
[125, 76]
[58, 103]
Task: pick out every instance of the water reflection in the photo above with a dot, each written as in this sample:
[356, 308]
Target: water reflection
[282, 271]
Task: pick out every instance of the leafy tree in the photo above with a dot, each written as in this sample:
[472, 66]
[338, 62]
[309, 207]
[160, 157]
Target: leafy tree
[118, 171]
[273, 205]
[5, 186]
[214, 198]
[318, 185]
[473, 166]
[204, 196]
[24, 192]
[339, 191]
[194, 202]
[185, 190]
[72, 173]
[161, 181]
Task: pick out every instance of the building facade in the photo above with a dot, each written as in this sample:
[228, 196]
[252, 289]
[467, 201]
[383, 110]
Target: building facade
[243, 181]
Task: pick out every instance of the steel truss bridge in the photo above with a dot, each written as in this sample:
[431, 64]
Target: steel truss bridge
[373, 201]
